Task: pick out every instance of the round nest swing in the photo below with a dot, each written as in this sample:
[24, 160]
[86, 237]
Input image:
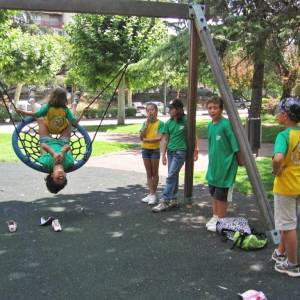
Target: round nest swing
[26, 144]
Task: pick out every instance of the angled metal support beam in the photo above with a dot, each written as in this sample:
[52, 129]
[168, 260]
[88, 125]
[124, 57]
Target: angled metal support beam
[233, 115]
[102, 7]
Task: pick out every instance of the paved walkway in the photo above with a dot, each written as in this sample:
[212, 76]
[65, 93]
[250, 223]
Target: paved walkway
[131, 159]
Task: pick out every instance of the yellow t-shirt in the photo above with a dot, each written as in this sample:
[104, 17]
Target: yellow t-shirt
[288, 143]
[56, 118]
[153, 130]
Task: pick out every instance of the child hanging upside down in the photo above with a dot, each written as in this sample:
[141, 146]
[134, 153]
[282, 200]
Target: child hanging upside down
[56, 156]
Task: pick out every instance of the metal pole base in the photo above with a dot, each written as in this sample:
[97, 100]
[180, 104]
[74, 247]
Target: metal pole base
[274, 236]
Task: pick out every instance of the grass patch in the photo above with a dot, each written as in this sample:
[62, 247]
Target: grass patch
[101, 148]
[6, 150]
[124, 129]
[242, 183]
[7, 153]
[270, 128]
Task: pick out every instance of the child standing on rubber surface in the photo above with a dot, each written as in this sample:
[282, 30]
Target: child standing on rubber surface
[174, 146]
[150, 135]
[286, 189]
[223, 160]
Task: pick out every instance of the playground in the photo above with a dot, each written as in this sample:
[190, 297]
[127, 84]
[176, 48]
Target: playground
[113, 247]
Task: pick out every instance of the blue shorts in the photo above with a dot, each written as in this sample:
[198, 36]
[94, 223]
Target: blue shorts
[44, 139]
[151, 153]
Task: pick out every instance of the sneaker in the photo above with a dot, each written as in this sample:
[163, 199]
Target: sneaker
[46, 221]
[145, 199]
[161, 206]
[173, 203]
[213, 220]
[152, 199]
[12, 225]
[285, 268]
[212, 227]
[56, 225]
[278, 258]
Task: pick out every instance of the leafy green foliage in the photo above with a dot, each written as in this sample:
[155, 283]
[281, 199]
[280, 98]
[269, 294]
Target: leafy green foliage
[29, 59]
[100, 45]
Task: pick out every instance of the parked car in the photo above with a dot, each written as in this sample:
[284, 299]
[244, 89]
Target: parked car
[242, 103]
[25, 105]
[140, 109]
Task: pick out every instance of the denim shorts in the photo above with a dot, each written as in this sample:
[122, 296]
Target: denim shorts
[46, 138]
[151, 153]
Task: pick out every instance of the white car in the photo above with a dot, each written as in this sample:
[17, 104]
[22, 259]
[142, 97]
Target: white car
[25, 105]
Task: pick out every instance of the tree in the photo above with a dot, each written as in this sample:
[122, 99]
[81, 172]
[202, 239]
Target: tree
[265, 26]
[101, 45]
[29, 59]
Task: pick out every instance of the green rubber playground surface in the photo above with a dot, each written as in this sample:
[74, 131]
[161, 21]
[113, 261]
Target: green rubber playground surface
[113, 247]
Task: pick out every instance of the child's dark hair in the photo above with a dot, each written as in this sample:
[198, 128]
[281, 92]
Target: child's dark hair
[58, 98]
[178, 105]
[291, 106]
[54, 187]
[216, 100]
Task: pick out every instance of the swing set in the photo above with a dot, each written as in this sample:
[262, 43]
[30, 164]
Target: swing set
[199, 32]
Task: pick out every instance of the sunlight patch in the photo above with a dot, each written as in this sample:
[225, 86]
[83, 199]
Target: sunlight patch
[57, 208]
[16, 275]
[163, 231]
[256, 267]
[116, 234]
[72, 229]
[2, 252]
[115, 213]
[111, 250]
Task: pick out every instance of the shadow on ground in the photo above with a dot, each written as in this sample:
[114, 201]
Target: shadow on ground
[113, 247]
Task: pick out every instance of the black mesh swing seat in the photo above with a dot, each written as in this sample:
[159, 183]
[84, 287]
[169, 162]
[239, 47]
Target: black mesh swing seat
[26, 144]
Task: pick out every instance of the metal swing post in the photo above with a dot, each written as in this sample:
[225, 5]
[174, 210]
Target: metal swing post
[217, 70]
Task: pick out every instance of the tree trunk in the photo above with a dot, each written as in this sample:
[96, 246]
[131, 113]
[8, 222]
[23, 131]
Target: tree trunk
[121, 102]
[258, 79]
[18, 93]
[289, 83]
[129, 97]
[165, 96]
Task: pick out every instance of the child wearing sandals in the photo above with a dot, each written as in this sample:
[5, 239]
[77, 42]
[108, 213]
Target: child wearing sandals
[286, 189]
[150, 135]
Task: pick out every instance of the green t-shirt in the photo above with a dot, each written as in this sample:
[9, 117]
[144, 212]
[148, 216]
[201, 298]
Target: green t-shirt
[43, 110]
[222, 162]
[177, 134]
[47, 160]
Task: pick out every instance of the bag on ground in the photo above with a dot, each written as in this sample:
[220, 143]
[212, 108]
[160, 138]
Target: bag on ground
[239, 231]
